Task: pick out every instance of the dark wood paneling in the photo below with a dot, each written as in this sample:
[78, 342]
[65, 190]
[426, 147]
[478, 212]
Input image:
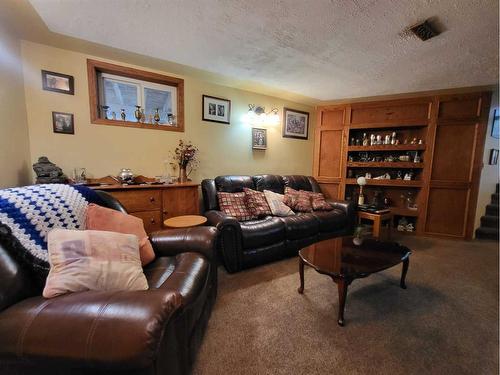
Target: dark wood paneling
[390, 113]
[453, 152]
[446, 211]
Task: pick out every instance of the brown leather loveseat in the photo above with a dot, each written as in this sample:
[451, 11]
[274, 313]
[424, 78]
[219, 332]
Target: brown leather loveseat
[157, 331]
[249, 243]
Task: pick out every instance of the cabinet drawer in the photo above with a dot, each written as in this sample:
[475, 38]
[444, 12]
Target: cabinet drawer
[139, 200]
[151, 219]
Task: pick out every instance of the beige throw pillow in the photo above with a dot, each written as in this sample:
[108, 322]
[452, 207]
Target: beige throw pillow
[93, 260]
[275, 201]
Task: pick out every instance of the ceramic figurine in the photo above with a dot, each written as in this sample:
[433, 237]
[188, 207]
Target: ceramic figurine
[365, 140]
[410, 227]
[414, 141]
[379, 139]
[368, 175]
[387, 140]
[113, 115]
[407, 176]
[420, 142]
[157, 116]
[405, 142]
[353, 141]
[393, 138]
[372, 139]
[416, 159]
[137, 113]
[123, 115]
[105, 109]
[358, 142]
[400, 175]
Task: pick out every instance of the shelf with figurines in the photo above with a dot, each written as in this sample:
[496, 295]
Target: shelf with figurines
[406, 139]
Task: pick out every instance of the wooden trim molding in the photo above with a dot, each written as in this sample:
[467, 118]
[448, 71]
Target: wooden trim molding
[94, 67]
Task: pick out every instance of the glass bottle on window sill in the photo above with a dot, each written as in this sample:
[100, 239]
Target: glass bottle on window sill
[137, 113]
[157, 116]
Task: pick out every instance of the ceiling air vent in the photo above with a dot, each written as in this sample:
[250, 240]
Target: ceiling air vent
[424, 30]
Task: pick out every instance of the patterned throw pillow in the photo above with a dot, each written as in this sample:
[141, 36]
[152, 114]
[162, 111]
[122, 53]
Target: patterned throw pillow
[275, 201]
[256, 202]
[319, 203]
[233, 204]
[299, 201]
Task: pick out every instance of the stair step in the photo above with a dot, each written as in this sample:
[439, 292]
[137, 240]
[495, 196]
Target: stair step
[494, 198]
[489, 221]
[492, 209]
[487, 233]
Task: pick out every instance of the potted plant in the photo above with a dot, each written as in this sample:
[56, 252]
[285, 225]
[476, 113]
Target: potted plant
[186, 156]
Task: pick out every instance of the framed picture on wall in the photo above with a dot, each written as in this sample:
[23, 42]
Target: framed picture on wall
[58, 82]
[295, 124]
[63, 123]
[259, 139]
[216, 109]
[493, 156]
[495, 126]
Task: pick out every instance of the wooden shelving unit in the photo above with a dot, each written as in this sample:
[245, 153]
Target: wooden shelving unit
[409, 147]
[373, 182]
[375, 164]
[383, 125]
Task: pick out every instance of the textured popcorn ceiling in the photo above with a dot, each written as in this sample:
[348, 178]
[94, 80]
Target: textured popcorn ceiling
[317, 48]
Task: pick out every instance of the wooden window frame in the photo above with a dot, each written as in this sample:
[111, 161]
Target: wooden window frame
[95, 67]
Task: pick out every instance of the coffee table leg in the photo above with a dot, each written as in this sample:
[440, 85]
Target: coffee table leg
[342, 285]
[301, 273]
[406, 263]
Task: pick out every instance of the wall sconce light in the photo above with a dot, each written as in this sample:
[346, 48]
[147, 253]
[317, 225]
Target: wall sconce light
[258, 115]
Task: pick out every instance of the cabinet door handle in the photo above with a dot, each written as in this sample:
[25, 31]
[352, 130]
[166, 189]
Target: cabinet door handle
[152, 199]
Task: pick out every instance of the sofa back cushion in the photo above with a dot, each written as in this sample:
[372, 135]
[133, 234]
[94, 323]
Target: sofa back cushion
[233, 184]
[298, 182]
[272, 182]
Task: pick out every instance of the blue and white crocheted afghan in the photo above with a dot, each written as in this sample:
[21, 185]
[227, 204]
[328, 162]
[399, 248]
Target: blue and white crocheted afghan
[30, 212]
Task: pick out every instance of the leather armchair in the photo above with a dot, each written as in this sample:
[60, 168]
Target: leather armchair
[245, 244]
[157, 331]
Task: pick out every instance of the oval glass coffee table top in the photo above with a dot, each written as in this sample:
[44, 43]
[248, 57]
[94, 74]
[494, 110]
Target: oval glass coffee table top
[351, 261]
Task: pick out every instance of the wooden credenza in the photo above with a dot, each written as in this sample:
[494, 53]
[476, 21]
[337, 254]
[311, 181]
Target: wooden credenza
[156, 203]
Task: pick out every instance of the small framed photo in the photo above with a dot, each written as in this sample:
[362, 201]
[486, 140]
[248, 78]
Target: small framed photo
[63, 123]
[295, 124]
[58, 82]
[259, 139]
[495, 133]
[493, 156]
[216, 109]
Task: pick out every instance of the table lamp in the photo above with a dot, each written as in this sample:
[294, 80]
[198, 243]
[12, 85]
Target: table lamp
[361, 182]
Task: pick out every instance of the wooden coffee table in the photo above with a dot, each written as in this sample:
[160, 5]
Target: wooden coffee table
[348, 262]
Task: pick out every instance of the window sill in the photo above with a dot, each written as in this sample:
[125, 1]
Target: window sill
[132, 124]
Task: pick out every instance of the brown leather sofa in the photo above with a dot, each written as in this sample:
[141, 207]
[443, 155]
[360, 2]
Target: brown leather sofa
[157, 331]
[246, 244]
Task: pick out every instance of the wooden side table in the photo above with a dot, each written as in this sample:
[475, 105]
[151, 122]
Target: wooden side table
[185, 221]
[378, 220]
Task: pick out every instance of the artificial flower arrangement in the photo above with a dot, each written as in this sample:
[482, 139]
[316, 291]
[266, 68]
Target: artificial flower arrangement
[185, 156]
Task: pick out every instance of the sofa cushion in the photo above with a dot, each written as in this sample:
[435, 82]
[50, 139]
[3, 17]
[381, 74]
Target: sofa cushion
[271, 182]
[298, 182]
[256, 203]
[300, 226]
[275, 201]
[102, 218]
[234, 204]
[331, 221]
[82, 260]
[298, 201]
[257, 233]
[319, 203]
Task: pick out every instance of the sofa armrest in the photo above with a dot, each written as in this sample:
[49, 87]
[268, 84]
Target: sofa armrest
[229, 242]
[349, 209]
[118, 330]
[171, 242]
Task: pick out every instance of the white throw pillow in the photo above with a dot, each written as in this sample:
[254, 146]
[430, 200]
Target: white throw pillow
[275, 202]
[82, 260]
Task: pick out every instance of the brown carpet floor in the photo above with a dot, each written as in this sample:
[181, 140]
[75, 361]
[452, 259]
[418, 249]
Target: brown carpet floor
[446, 322]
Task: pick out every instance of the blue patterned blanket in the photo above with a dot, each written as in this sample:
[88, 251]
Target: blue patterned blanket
[30, 212]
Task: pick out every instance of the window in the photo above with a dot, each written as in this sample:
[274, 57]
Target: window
[118, 96]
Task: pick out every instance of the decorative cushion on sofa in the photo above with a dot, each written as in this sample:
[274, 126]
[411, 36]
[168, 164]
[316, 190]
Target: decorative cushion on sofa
[298, 201]
[275, 201]
[93, 260]
[319, 203]
[256, 203]
[233, 204]
[106, 219]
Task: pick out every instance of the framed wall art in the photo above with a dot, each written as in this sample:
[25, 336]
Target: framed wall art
[259, 139]
[295, 124]
[216, 109]
[63, 123]
[495, 133]
[58, 82]
[493, 156]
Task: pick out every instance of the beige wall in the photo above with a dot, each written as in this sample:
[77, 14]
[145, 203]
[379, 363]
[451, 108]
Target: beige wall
[103, 150]
[14, 147]
[489, 174]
